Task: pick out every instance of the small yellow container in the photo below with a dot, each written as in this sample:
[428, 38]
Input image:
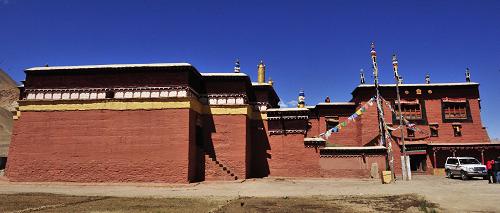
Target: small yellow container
[386, 177]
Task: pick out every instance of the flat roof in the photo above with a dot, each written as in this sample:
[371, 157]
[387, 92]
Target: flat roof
[413, 85]
[337, 103]
[108, 66]
[462, 144]
[260, 84]
[286, 109]
[354, 148]
[314, 139]
[221, 74]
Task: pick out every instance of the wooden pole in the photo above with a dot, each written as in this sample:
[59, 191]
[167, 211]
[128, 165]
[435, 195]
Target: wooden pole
[381, 122]
[482, 156]
[406, 171]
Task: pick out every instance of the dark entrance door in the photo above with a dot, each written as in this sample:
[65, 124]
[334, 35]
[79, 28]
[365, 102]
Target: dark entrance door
[418, 163]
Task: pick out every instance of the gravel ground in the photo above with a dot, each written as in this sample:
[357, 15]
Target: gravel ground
[452, 195]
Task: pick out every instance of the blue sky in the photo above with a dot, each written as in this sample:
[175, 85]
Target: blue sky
[319, 46]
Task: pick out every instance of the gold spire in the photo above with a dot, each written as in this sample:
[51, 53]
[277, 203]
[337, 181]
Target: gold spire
[261, 72]
[302, 99]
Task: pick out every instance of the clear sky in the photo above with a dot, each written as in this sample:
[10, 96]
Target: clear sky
[319, 46]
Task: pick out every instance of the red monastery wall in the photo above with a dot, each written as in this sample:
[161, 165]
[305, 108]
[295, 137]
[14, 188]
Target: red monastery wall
[347, 136]
[227, 144]
[350, 167]
[369, 125]
[289, 157]
[471, 131]
[101, 146]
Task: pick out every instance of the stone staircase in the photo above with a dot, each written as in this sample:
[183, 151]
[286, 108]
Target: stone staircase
[210, 174]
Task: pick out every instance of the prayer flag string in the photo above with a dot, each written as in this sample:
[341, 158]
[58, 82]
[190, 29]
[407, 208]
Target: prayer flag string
[351, 118]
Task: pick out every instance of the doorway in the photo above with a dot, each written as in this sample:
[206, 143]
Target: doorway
[418, 163]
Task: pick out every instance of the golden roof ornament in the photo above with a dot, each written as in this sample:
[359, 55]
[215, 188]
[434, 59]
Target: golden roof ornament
[261, 72]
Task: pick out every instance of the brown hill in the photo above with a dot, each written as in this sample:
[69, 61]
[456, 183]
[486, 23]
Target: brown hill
[9, 94]
[6, 82]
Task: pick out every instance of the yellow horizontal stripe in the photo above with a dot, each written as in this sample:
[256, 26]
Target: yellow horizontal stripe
[107, 105]
[138, 105]
[239, 110]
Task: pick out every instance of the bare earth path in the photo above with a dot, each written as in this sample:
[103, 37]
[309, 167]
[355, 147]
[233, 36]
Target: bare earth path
[453, 195]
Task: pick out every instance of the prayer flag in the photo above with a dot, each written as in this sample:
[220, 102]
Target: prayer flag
[328, 133]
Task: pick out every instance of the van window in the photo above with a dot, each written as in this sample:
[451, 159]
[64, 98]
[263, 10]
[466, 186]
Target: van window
[452, 161]
[469, 161]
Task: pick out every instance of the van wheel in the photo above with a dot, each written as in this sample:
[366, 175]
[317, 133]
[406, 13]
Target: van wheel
[463, 175]
[448, 174]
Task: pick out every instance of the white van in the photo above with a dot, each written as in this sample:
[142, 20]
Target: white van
[466, 167]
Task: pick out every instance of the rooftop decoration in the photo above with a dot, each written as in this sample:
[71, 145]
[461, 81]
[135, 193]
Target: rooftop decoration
[467, 75]
[237, 68]
[301, 99]
[362, 76]
[261, 72]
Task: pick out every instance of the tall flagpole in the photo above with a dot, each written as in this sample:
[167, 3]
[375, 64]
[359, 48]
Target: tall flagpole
[405, 164]
[381, 122]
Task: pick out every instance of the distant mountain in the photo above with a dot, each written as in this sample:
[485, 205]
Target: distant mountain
[9, 93]
[6, 82]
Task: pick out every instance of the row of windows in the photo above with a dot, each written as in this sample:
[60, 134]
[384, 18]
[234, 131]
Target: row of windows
[434, 132]
[450, 111]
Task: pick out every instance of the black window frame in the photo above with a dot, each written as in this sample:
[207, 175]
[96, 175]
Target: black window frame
[423, 111]
[455, 132]
[445, 104]
[434, 130]
[331, 123]
[410, 133]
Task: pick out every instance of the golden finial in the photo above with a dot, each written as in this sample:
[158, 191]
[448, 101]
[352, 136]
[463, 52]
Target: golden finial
[261, 72]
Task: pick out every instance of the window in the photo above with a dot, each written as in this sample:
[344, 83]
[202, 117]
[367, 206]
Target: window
[434, 130]
[469, 161]
[455, 108]
[411, 110]
[331, 121]
[457, 130]
[455, 111]
[110, 94]
[410, 132]
[452, 161]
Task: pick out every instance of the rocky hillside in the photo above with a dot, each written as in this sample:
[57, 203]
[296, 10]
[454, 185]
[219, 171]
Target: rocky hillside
[9, 94]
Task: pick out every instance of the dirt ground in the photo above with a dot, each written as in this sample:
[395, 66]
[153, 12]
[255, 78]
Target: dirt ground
[257, 195]
[41, 202]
